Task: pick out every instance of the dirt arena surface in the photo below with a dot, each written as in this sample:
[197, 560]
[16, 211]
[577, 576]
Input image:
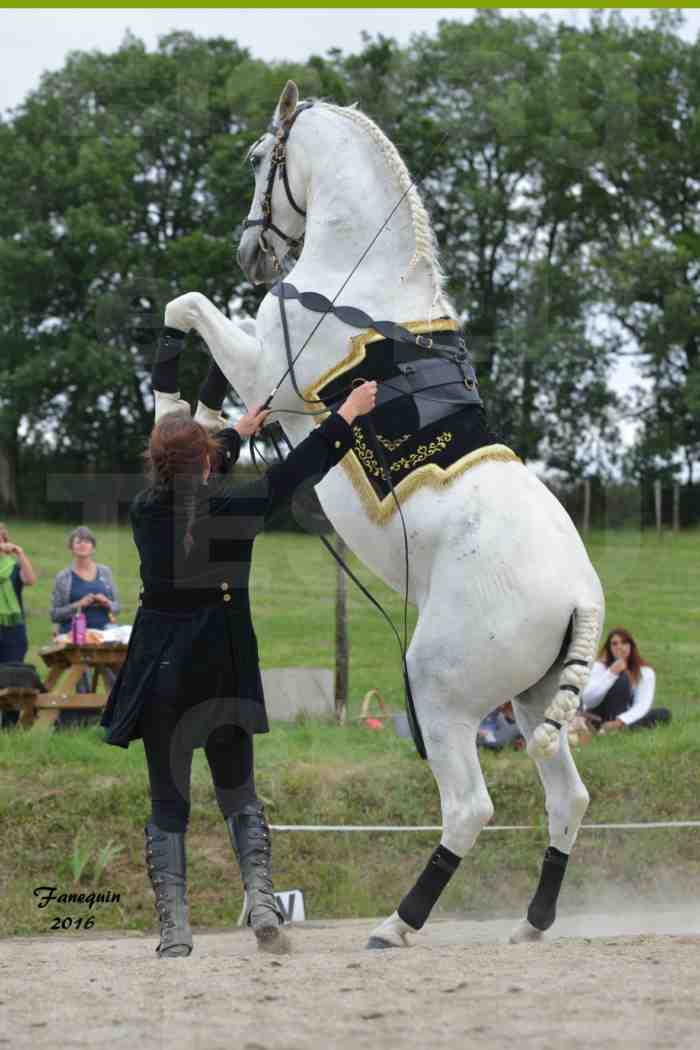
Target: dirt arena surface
[597, 981]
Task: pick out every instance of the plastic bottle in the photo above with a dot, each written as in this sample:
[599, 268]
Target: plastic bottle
[78, 628]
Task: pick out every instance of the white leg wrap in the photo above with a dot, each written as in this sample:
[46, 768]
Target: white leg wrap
[210, 419]
[584, 643]
[166, 403]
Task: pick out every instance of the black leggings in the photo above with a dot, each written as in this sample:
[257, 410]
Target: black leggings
[169, 740]
[618, 699]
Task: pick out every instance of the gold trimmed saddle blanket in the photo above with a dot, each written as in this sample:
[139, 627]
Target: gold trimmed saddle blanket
[429, 419]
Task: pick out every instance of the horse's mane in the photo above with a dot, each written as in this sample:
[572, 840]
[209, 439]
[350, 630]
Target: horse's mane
[426, 243]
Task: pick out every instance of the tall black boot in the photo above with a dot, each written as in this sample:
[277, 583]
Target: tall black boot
[250, 838]
[166, 866]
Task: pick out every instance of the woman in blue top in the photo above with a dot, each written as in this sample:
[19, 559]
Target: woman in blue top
[84, 585]
[88, 587]
[16, 572]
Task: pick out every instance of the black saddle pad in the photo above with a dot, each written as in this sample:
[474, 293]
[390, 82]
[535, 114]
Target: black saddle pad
[426, 413]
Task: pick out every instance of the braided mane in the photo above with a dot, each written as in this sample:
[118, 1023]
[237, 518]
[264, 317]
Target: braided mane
[426, 245]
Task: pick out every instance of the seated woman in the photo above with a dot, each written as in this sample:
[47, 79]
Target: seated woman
[620, 690]
[499, 729]
[84, 585]
[89, 587]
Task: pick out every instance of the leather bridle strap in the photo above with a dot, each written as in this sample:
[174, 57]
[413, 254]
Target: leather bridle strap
[278, 161]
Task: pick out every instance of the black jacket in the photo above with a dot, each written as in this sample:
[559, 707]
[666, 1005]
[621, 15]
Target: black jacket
[210, 654]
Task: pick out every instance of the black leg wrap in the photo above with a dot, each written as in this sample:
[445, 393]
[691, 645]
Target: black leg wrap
[543, 907]
[170, 345]
[214, 388]
[416, 906]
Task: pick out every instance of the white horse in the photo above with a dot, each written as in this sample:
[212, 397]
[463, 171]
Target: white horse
[509, 605]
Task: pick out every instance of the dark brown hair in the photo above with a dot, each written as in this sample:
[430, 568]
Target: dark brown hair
[178, 449]
[634, 661]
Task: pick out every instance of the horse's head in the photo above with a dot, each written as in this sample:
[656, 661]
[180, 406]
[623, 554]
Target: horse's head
[277, 216]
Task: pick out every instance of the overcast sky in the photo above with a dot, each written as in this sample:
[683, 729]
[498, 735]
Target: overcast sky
[35, 40]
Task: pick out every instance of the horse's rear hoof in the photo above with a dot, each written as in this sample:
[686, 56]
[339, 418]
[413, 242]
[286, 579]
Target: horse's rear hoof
[378, 944]
[525, 933]
[175, 951]
[272, 940]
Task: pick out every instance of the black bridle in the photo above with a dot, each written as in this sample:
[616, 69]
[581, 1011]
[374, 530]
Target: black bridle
[278, 162]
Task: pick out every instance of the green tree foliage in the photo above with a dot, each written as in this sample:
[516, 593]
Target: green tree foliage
[647, 247]
[478, 112]
[123, 183]
[559, 166]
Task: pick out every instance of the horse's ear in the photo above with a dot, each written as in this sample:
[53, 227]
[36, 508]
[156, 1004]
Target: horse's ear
[289, 99]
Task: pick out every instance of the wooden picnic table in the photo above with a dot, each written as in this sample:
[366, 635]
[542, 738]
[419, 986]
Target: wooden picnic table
[67, 663]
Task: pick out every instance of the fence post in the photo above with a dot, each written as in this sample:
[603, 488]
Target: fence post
[657, 505]
[342, 642]
[586, 505]
[676, 506]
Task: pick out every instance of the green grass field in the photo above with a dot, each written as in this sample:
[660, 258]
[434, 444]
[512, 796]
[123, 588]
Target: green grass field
[72, 809]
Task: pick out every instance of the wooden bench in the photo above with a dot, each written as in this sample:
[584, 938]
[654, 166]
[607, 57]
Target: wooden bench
[15, 698]
[48, 706]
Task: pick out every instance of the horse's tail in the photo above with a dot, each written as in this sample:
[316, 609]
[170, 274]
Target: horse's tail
[580, 655]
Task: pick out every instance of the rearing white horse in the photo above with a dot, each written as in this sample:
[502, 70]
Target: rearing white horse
[509, 605]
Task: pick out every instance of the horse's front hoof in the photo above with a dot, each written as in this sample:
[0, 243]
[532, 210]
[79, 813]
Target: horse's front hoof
[379, 943]
[525, 933]
[390, 934]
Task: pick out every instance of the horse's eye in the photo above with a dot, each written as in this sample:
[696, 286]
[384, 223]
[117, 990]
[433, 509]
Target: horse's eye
[255, 161]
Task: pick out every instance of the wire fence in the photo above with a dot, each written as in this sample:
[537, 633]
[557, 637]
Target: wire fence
[649, 825]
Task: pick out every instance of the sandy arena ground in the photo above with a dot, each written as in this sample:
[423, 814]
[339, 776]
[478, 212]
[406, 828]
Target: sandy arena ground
[603, 981]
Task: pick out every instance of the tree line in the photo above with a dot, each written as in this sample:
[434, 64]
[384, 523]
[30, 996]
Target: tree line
[559, 165]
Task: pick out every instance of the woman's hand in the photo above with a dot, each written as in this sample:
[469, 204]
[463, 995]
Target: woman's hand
[359, 403]
[10, 548]
[102, 599]
[619, 666]
[87, 599]
[613, 726]
[249, 424]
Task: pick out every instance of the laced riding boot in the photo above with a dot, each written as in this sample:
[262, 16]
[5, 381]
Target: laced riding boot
[166, 865]
[250, 838]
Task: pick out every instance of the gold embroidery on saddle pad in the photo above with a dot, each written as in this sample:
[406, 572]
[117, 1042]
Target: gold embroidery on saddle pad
[361, 462]
[381, 510]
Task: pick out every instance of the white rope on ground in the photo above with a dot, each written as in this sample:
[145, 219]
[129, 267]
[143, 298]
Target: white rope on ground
[493, 827]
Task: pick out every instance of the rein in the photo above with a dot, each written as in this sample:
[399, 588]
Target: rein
[413, 722]
[357, 318]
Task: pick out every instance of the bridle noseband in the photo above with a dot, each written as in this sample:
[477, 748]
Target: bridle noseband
[278, 160]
